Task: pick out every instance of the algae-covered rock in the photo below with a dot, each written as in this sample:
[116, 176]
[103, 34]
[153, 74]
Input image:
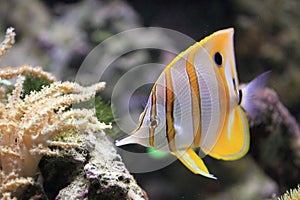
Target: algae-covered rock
[104, 176]
[108, 175]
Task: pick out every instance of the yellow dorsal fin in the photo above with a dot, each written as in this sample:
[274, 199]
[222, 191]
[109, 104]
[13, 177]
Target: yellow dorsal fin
[233, 142]
[193, 162]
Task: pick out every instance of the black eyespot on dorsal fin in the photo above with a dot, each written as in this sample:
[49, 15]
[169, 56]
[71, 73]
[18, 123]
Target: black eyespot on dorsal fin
[234, 83]
[240, 97]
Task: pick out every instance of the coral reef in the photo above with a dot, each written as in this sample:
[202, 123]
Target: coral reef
[29, 125]
[61, 33]
[42, 130]
[43, 123]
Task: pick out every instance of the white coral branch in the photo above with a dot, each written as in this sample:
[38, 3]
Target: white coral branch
[29, 126]
[10, 182]
[10, 72]
[8, 41]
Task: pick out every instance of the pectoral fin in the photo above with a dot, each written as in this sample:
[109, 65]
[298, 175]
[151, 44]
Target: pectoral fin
[193, 162]
[233, 142]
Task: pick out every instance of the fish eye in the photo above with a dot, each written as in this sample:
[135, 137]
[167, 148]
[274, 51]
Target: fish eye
[154, 123]
[218, 59]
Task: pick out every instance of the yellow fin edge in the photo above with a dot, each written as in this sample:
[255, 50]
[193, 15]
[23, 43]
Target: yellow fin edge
[193, 162]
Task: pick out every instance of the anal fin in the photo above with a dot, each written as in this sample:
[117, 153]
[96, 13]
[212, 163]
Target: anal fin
[193, 162]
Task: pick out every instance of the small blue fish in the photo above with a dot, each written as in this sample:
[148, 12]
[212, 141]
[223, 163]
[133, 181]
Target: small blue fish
[197, 103]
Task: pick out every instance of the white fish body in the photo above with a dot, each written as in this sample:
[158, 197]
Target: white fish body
[196, 102]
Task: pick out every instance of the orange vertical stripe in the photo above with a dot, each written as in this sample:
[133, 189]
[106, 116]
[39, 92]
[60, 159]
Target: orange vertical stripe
[152, 117]
[170, 131]
[140, 122]
[195, 95]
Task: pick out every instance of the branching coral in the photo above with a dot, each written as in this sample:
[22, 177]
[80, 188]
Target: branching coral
[10, 182]
[8, 41]
[29, 125]
[291, 195]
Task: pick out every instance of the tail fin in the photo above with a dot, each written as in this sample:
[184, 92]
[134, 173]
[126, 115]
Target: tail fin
[136, 138]
[127, 139]
[250, 93]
